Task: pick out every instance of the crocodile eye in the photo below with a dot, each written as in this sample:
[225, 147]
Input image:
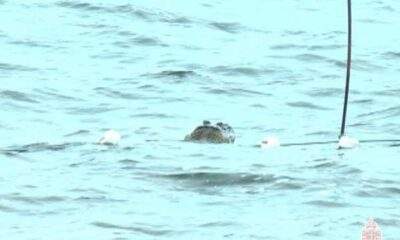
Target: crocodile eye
[206, 122]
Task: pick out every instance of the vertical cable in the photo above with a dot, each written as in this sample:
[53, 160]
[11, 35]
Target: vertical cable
[346, 92]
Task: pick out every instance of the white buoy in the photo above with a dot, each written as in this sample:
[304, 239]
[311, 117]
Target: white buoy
[348, 142]
[110, 137]
[270, 142]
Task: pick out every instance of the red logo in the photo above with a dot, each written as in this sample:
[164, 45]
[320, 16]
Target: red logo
[371, 231]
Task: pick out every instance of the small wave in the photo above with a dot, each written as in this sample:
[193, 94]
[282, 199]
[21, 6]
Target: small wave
[311, 48]
[80, 6]
[295, 32]
[116, 94]
[388, 222]
[17, 96]
[128, 164]
[308, 105]
[220, 179]
[314, 233]
[153, 115]
[310, 57]
[127, 10]
[91, 110]
[87, 190]
[388, 8]
[35, 200]
[30, 43]
[97, 26]
[258, 105]
[234, 92]
[319, 58]
[363, 101]
[247, 71]
[389, 92]
[331, 76]
[174, 74]
[288, 185]
[148, 41]
[37, 147]
[175, 19]
[97, 199]
[144, 230]
[327, 204]
[6, 208]
[14, 67]
[391, 55]
[364, 65]
[320, 133]
[79, 132]
[324, 165]
[287, 46]
[325, 92]
[217, 224]
[226, 26]
[53, 93]
[385, 113]
[326, 47]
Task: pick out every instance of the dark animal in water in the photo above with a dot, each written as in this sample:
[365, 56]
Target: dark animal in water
[207, 133]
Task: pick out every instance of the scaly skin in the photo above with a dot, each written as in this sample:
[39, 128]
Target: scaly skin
[208, 134]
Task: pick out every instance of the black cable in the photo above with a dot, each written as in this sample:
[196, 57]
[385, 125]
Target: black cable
[346, 93]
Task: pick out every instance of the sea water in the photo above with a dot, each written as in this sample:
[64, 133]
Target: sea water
[154, 70]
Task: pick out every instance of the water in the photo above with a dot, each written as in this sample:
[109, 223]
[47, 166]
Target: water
[153, 70]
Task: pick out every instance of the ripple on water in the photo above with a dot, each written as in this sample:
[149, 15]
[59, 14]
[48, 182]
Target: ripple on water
[148, 41]
[149, 230]
[229, 27]
[31, 43]
[128, 164]
[17, 96]
[14, 67]
[394, 92]
[77, 133]
[174, 74]
[91, 110]
[42, 146]
[153, 116]
[117, 94]
[307, 105]
[391, 55]
[324, 92]
[130, 10]
[53, 93]
[217, 224]
[378, 192]
[390, 222]
[7, 209]
[245, 71]
[234, 92]
[385, 113]
[307, 47]
[327, 204]
[211, 179]
[34, 200]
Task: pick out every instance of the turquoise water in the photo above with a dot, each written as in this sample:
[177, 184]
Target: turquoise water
[153, 70]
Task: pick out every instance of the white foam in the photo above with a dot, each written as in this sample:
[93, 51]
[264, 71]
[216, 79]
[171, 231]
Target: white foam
[110, 137]
[348, 142]
[270, 142]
